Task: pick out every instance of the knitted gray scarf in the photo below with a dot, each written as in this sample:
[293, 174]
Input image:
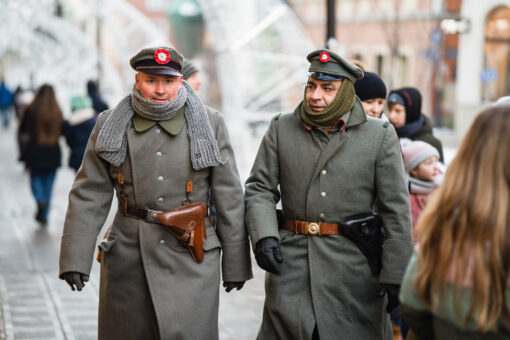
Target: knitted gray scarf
[111, 142]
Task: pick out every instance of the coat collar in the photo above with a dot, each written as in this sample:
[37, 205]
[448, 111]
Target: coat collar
[357, 115]
[173, 126]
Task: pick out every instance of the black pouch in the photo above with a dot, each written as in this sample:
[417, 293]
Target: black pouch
[365, 231]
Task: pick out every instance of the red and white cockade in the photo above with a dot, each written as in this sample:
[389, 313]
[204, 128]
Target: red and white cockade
[162, 56]
[324, 57]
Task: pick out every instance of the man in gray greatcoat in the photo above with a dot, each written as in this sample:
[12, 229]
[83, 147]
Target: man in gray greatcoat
[158, 148]
[327, 162]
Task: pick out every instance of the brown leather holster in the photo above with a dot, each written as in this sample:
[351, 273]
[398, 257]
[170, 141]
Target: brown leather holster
[187, 223]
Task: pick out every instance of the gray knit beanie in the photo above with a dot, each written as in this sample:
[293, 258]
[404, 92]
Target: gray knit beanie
[188, 69]
[415, 152]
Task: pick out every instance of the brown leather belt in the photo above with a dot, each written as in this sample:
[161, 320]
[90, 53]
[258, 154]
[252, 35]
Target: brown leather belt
[311, 228]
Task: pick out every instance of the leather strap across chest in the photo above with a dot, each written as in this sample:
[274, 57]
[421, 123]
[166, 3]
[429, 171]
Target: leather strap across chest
[311, 228]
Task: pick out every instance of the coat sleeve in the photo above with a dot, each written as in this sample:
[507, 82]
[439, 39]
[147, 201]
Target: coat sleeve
[394, 209]
[262, 194]
[228, 199]
[90, 200]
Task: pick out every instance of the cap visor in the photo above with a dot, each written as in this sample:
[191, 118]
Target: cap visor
[325, 76]
[161, 71]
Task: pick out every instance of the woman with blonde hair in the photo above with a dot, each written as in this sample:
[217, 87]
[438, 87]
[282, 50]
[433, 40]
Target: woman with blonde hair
[457, 283]
[42, 122]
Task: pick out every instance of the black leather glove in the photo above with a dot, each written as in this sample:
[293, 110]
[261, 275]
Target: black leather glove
[268, 254]
[231, 285]
[392, 292]
[75, 279]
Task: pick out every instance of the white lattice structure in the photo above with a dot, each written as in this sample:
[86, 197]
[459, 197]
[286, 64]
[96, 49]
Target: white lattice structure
[261, 53]
[37, 47]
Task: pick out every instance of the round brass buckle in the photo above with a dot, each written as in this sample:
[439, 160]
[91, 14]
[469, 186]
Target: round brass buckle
[313, 229]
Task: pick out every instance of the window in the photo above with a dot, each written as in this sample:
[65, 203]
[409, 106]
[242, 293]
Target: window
[364, 7]
[386, 6]
[344, 8]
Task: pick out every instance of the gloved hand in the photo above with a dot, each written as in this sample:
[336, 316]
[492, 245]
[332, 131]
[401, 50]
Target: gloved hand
[392, 292]
[75, 279]
[229, 285]
[268, 254]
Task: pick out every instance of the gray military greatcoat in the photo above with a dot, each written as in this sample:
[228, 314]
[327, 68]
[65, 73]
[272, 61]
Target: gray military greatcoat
[326, 280]
[150, 286]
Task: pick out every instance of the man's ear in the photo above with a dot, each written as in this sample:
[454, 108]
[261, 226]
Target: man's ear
[180, 82]
[137, 81]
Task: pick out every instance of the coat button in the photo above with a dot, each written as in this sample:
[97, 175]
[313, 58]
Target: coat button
[162, 242]
[321, 215]
[160, 199]
[323, 194]
[160, 178]
[323, 172]
[157, 131]
[158, 153]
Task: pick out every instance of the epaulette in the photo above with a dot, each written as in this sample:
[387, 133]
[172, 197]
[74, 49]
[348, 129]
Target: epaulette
[386, 123]
[277, 116]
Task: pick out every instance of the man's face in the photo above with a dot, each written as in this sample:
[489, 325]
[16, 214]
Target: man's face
[397, 115]
[158, 88]
[320, 93]
[194, 81]
[373, 107]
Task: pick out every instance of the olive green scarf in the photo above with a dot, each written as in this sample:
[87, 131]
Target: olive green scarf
[343, 103]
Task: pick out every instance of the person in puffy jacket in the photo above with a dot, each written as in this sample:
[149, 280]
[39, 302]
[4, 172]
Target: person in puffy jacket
[78, 127]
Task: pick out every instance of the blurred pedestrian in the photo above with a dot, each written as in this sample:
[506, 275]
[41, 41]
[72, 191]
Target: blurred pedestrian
[457, 284]
[98, 103]
[6, 102]
[191, 74]
[421, 166]
[22, 99]
[77, 128]
[42, 121]
[404, 106]
[161, 149]
[371, 90]
[327, 162]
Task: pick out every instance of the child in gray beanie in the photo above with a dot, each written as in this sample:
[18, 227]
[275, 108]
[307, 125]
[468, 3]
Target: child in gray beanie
[422, 169]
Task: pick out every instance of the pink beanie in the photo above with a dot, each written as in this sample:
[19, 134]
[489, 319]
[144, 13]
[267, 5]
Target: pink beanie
[416, 152]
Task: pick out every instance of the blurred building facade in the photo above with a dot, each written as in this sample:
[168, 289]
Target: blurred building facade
[483, 72]
[457, 52]
[401, 40]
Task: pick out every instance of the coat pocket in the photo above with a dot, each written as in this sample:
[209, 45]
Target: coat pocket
[212, 240]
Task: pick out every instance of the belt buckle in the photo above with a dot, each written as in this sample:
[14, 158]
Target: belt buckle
[313, 228]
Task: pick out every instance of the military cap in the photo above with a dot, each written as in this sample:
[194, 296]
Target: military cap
[158, 60]
[327, 65]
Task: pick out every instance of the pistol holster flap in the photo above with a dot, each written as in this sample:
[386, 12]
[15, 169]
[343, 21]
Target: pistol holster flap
[365, 231]
[187, 223]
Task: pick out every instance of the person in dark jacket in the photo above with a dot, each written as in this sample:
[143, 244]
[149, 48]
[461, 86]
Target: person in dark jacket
[405, 114]
[42, 122]
[98, 103]
[78, 128]
[371, 90]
